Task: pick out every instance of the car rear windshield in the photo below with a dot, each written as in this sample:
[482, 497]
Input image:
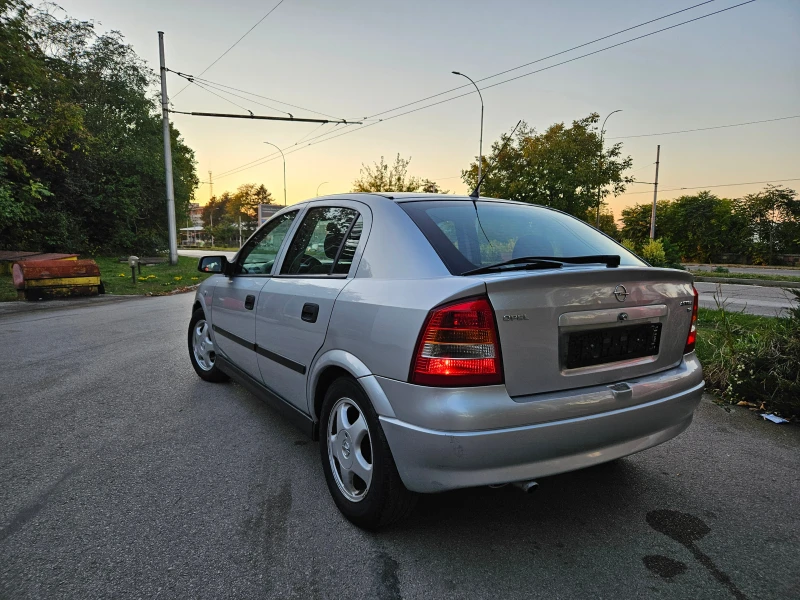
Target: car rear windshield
[468, 235]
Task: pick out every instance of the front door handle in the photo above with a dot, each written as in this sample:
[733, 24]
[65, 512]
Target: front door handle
[249, 302]
[310, 312]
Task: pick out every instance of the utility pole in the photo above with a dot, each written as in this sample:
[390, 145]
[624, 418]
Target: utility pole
[210, 198]
[173, 240]
[655, 197]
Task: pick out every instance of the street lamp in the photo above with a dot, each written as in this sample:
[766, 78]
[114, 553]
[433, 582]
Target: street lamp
[320, 185]
[600, 165]
[480, 146]
[284, 170]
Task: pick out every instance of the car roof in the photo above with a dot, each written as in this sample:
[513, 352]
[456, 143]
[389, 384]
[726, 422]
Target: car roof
[406, 197]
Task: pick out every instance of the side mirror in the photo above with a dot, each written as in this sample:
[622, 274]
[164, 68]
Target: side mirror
[213, 264]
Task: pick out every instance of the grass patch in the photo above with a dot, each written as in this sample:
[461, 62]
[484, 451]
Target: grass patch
[751, 359]
[157, 280]
[7, 290]
[747, 276]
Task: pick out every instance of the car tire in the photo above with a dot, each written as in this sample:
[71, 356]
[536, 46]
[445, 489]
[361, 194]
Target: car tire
[201, 349]
[351, 438]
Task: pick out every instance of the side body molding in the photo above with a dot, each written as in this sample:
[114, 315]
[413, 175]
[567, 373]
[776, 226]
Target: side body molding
[344, 360]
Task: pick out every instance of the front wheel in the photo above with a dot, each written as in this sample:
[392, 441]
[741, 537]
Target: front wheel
[202, 351]
[358, 464]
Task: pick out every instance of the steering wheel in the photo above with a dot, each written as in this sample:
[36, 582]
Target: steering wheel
[304, 263]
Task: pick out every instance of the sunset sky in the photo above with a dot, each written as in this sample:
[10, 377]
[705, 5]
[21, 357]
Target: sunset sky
[356, 58]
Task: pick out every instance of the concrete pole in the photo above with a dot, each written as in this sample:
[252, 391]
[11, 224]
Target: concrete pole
[655, 197]
[173, 240]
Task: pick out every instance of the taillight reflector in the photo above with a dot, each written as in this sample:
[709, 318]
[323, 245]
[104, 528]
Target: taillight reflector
[692, 337]
[458, 346]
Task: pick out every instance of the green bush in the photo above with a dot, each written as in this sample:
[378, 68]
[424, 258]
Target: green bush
[721, 270]
[653, 252]
[630, 245]
[752, 359]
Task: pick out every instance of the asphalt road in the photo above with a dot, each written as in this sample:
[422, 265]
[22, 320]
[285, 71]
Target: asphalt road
[753, 270]
[752, 299]
[123, 475]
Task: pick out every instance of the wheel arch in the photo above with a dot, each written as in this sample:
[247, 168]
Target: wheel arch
[338, 363]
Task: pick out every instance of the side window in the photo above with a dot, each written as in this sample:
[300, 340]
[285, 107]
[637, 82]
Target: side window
[342, 266]
[316, 244]
[259, 255]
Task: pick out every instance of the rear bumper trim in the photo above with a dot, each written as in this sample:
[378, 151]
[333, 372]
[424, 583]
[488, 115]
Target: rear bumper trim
[430, 460]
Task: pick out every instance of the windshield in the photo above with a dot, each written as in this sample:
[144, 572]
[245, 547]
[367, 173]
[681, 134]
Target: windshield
[468, 236]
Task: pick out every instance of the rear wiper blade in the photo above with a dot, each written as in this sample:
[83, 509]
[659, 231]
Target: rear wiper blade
[547, 262]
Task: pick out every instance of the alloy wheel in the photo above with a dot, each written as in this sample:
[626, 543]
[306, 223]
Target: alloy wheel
[350, 449]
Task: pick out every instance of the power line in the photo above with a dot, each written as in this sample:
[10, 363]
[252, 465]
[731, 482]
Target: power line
[605, 37]
[220, 85]
[623, 137]
[697, 187]
[234, 44]
[208, 87]
[244, 167]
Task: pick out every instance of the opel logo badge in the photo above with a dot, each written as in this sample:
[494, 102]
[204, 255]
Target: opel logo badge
[620, 293]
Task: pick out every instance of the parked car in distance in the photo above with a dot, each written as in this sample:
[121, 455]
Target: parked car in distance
[434, 342]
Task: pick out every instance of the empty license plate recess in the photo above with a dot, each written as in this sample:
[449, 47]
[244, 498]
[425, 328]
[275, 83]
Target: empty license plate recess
[599, 346]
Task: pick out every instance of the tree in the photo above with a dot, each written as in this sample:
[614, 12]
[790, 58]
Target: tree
[385, 178]
[608, 224]
[636, 221]
[774, 219]
[81, 139]
[562, 167]
[244, 203]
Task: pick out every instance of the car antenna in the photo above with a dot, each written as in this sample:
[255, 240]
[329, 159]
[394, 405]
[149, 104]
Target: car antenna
[476, 193]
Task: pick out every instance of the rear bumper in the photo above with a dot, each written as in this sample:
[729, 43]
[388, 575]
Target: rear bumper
[433, 460]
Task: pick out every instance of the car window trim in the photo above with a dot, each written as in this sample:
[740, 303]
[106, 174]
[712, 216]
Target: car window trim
[349, 228]
[329, 204]
[300, 210]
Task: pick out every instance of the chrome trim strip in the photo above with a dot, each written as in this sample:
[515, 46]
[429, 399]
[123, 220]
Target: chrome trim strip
[611, 315]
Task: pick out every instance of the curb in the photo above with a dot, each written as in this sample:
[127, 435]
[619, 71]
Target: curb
[761, 282]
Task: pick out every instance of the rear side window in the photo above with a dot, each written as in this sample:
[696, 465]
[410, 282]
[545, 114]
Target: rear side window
[325, 242]
[469, 235]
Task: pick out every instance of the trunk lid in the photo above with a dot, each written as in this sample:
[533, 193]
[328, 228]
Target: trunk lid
[568, 329]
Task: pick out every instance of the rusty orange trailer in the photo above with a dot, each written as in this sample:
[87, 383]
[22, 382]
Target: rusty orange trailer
[39, 278]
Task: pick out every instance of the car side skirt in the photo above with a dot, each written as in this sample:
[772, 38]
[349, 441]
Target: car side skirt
[301, 420]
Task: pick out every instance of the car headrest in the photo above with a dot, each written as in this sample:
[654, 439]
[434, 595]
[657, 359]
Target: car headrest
[532, 245]
[333, 239]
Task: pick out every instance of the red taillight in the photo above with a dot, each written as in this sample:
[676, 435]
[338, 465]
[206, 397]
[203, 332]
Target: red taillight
[458, 346]
[690, 341]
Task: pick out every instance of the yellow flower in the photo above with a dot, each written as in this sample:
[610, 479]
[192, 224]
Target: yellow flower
[122, 275]
[152, 277]
[142, 278]
[195, 278]
[177, 278]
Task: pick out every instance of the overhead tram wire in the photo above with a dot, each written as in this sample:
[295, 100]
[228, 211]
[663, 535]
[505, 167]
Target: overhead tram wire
[538, 60]
[697, 187]
[627, 137]
[228, 87]
[234, 44]
[408, 112]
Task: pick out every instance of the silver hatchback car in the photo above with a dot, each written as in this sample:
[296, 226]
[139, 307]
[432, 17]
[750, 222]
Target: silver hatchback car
[437, 342]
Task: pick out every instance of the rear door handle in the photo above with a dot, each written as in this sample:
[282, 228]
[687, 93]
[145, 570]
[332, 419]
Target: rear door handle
[310, 312]
[249, 302]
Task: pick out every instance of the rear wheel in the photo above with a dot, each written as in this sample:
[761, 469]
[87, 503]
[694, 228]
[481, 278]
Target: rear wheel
[202, 351]
[358, 464]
